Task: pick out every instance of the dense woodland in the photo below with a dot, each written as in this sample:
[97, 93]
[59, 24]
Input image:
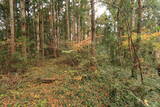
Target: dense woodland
[62, 53]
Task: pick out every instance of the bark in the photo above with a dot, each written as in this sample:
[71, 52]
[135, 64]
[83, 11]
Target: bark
[93, 29]
[12, 28]
[42, 35]
[132, 15]
[74, 27]
[23, 27]
[120, 32]
[38, 31]
[57, 36]
[67, 20]
[78, 28]
[139, 16]
[53, 30]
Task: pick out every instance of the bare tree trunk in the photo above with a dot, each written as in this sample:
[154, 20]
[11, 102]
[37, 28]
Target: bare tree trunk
[133, 15]
[23, 27]
[139, 34]
[57, 36]
[78, 28]
[53, 28]
[139, 16]
[42, 35]
[73, 22]
[120, 32]
[38, 31]
[93, 29]
[67, 19]
[12, 28]
[74, 27]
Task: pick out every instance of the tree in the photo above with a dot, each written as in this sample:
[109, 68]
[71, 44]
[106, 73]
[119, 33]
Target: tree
[53, 27]
[93, 29]
[12, 28]
[67, 20]
[23, 27]
[139, 17]
[38, 28]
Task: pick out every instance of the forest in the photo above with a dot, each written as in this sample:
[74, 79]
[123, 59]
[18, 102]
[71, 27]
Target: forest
[79, 53]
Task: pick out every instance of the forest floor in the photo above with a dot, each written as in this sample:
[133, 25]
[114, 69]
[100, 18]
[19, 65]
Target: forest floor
[53, 83]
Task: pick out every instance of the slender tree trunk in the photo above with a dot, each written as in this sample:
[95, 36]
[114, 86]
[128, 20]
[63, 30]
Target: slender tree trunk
[34, 29]
[139, 34]
[73, 27]
[133, 49]
[67, 20]
[53, 28]
[57, 36]
[7, 31]
[120, 33]
[28, 23]
[78, 28]
[12, 27]
[42, 35]
[73, 23]
[139, 16]
[132, 15]
[38, 31]
[131, 26]
[23, 27]
[93, 29]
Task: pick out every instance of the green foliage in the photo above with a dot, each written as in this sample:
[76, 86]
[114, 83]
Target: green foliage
[42, 103]
[4, 63]
[16, 63]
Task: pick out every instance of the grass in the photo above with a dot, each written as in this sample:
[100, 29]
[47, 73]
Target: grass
[110, 86]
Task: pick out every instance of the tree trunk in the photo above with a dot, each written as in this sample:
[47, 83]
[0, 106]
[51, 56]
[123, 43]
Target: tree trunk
[139, 17]
[132, 15]
[136, 61]
[57, 36]
[73, 23]
[12, 28]
[42, 35]
[67, 20]
[38, 31]
[78, 28]
[93, 29]
[23, 27]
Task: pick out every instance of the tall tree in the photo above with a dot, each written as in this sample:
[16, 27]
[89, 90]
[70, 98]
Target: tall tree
[12, 28]
[93, 29]
[42, 32]
[67, 19]
[38, 28]
[139, 16]
[52, 27]
[23, 26]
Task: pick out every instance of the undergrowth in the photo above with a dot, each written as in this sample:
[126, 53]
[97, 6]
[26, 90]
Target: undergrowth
[75, 84]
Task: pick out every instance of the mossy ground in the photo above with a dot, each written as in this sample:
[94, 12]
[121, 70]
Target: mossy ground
[110, 86]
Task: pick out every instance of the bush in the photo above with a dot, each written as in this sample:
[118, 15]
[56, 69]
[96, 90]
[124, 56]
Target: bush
[4, 62]
[16, 63]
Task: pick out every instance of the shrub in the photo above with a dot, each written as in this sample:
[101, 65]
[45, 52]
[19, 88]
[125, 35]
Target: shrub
[16, 63]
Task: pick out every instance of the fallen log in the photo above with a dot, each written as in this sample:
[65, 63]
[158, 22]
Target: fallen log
[46, 80]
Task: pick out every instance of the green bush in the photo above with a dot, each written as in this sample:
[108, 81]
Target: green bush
[16, 63]
[4, 62]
